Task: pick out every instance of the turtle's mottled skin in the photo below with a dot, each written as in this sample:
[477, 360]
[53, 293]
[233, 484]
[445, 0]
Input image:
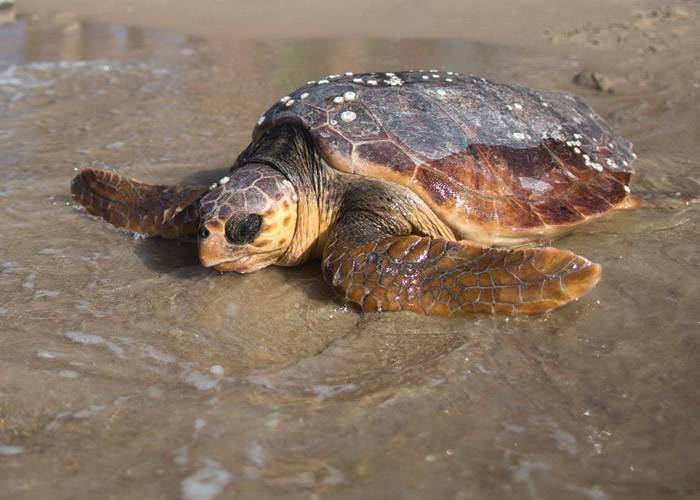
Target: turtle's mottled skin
[396, 181]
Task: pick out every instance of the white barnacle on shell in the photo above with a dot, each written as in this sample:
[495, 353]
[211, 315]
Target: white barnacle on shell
[333, 122]
[435, 76]
[224, 180]
[546, 105]
[450, 73]
[348, 116]
[441, 92]
[333, 76]
[433, 71]
[519, 136]
[349, 95]
[448, 80]
[261, 120]
[535, 185]
[371, 82]
[304, 95]
[321, 82]
[358, 80]
[289, 102]
[348, 73]
[592, 164]
[578, 136]
[311, 82]
[339, 99]
[213, 186]
[390, 74]
[627, 189]
[577, 151]
[518, 106]
[425, 77]
[285, 99]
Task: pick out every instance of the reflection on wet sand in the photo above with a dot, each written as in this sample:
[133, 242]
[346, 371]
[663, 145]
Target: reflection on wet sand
[130, 370]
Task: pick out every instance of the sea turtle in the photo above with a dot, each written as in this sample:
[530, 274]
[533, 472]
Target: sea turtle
[407, 186]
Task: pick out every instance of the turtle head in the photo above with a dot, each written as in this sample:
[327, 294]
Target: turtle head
[248, 220]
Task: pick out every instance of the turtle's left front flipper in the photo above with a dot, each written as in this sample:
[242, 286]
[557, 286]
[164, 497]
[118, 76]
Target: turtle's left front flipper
[168, 211]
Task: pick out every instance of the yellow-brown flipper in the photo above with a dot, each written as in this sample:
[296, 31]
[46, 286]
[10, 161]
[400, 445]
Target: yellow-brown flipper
[439, 277]
[168, 211]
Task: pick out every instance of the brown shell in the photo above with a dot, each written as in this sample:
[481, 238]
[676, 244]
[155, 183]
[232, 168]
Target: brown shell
[498, 163]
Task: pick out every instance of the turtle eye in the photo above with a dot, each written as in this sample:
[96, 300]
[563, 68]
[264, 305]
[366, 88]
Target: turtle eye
[243, 230]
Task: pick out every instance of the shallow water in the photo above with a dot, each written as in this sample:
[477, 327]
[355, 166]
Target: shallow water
[130, 371]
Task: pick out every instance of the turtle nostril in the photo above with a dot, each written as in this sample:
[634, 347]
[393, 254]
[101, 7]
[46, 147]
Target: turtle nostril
[203, 232]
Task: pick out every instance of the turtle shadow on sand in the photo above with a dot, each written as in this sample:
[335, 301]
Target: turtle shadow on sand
[309, 279]
[180, 259]
[169, 257]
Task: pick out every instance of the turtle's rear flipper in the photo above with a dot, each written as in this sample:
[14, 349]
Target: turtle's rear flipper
[439, 277]
[168, 211]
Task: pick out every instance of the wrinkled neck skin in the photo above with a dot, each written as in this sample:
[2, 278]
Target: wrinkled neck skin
[289, 149]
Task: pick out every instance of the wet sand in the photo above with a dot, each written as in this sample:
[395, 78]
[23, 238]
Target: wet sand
[515, 22]
[129, 371]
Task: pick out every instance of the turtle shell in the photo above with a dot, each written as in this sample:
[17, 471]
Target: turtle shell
[499, 163]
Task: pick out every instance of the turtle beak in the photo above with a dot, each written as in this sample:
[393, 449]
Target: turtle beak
[215, 251]
[212, 246]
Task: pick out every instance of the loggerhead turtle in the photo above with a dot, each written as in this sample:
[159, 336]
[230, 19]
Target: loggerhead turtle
[407, 186]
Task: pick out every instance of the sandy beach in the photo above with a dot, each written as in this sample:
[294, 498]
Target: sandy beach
[130, 371]
[519, 22]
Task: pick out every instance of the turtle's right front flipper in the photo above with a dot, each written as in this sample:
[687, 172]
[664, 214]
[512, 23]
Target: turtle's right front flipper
[168, 211]
[438, 277]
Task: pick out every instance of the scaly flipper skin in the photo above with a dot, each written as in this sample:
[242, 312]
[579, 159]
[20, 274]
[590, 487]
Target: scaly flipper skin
[168, 211]
[444, 278]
